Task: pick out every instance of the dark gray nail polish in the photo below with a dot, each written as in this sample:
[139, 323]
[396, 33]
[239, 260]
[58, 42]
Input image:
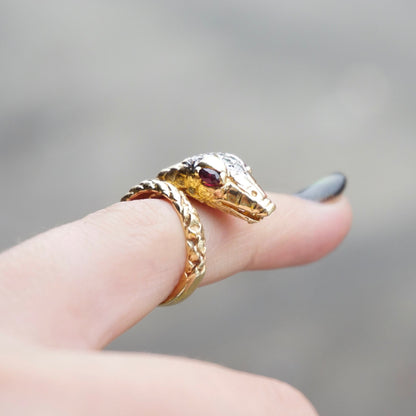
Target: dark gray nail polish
[325, 189]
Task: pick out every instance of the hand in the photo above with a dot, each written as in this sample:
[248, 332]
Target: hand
[71, 290]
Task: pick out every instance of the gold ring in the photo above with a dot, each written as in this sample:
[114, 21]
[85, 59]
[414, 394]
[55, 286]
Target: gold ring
[219, 180]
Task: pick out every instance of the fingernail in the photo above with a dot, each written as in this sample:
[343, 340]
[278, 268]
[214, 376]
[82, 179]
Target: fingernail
[325, 189]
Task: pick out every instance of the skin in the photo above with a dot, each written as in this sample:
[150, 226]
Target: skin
[66, 293]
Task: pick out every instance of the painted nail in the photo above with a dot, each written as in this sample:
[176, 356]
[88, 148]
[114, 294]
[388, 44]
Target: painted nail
[325, 189]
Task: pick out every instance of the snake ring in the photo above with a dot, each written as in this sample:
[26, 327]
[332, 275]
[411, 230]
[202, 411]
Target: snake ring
[219, 180]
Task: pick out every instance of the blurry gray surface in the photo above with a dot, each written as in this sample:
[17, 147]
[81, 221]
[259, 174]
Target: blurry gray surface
[95, 96]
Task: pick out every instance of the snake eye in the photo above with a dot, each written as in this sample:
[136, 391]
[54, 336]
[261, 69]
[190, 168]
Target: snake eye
[210, 177]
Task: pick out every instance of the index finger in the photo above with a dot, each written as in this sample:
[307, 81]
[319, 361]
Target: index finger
[84, 283]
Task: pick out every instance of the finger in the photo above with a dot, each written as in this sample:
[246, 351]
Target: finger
[57, 383]
[301, 232]
[84, 283]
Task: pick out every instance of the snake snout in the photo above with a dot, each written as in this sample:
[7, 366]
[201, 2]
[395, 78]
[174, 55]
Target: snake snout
[267, 207]
[263, 208]
[250, 205]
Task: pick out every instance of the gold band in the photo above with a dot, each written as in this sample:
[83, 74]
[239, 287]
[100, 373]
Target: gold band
[194, 234]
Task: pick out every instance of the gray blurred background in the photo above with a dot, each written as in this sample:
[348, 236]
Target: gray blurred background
[98, 95]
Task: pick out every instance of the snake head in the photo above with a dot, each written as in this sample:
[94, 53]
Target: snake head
[222, 181]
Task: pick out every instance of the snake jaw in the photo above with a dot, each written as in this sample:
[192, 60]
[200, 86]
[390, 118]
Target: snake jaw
[222, 181]
[248, 215]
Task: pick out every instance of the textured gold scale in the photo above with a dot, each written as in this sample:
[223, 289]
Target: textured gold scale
[194, 234]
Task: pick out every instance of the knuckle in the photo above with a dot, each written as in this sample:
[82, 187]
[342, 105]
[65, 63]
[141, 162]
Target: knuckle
[132, 222]
[129, 212]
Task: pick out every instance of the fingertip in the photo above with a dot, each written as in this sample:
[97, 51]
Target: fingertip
[302, 231]
[333, 220]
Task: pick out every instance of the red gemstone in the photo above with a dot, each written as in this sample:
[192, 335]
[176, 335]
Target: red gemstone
[210, 177]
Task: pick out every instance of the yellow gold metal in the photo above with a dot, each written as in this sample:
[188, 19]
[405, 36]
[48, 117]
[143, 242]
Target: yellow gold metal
[192, 227]
[220, 180]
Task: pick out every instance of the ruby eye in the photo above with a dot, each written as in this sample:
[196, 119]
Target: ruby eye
[210, 177]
